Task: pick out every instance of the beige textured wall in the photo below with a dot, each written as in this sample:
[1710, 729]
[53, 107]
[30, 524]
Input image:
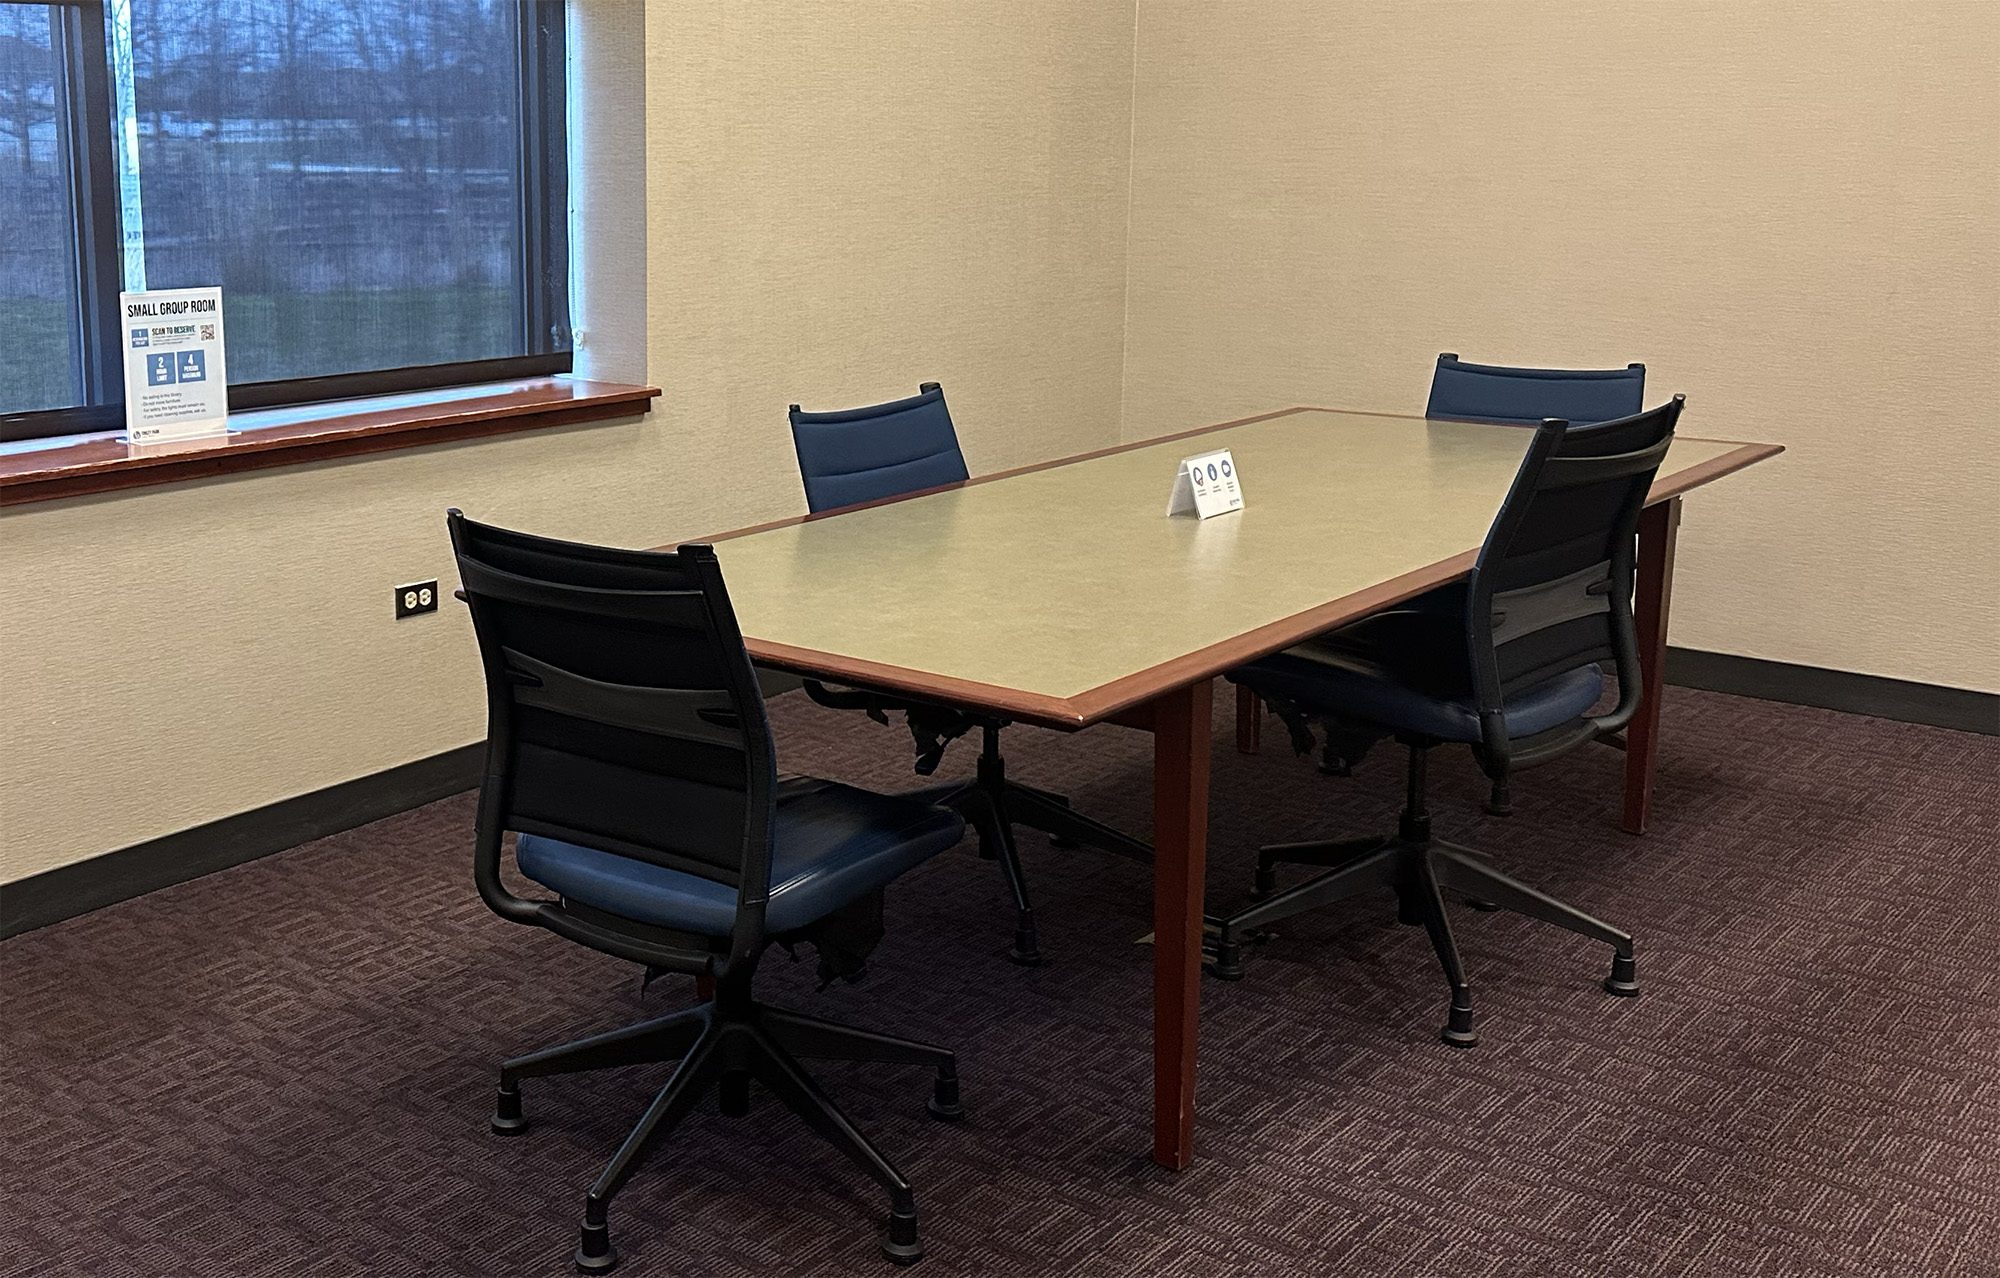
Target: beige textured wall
[852, 198]
[1789, 211]
[182, 653]
[838, 201]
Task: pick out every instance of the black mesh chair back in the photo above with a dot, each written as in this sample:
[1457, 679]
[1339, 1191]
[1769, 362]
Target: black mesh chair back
[623, 714]
[1552, 588]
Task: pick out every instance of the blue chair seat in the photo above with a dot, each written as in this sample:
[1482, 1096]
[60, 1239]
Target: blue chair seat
[832, 844]
[1406, 670]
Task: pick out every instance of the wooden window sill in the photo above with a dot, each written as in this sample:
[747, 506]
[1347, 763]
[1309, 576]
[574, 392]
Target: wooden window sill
[72, 465]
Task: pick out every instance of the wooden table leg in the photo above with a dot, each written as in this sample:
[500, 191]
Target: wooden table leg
[1658, 526]
[1249, 721]
[1181, 732]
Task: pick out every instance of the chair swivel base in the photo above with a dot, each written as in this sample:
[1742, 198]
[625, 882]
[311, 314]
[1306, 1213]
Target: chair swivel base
[724, 1044]
[976, 803]
[992, 805]
[1420, 870]
[1052, 814]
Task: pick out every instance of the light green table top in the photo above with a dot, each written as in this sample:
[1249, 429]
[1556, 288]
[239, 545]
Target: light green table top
[1065, 593]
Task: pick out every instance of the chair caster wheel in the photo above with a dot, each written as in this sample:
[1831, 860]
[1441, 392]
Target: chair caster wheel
[1484, 907]
[1026, 951]
[1458, 1030]
[944, 1104]
[1624, 978]
[1228, 962]
[1267, 883]
[1063, 841]
[595, 1254]
[507, 1119]
[900, 1245]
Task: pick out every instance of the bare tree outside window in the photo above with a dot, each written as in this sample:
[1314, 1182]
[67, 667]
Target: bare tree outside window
[37, 329]
[344, 169]
[376, 185]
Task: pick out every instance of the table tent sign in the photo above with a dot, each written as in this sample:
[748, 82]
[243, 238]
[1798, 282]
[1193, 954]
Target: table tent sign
[176, 383]
[1206, 485]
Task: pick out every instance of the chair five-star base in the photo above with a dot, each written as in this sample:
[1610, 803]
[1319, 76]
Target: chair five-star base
[992, 805]
[723, 1044]
[1420, 869]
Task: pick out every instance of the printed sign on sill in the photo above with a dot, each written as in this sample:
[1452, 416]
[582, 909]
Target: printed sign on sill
[176, 382]
[1206, 485]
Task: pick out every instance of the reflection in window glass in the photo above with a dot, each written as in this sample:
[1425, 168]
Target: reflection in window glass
[38, 339]
[344, 169]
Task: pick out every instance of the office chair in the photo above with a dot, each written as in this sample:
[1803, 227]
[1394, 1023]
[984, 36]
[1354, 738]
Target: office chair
[1511, 397]
[1515, 676]
[627, 748]
[889, 450]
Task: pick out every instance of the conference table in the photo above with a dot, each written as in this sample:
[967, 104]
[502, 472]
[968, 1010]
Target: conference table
[1063, 595]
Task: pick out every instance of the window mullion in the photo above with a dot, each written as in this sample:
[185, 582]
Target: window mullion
[121, 98]
[542, 172]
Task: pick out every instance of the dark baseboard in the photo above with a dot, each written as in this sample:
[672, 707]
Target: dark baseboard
[78, 888]
[69, 890]
[1927, 703]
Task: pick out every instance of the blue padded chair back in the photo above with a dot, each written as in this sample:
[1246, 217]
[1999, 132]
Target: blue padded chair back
[885, 450]
[622, 713]
[1530, 396]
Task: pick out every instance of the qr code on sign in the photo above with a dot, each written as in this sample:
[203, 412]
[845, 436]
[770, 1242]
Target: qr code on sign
[208, 332]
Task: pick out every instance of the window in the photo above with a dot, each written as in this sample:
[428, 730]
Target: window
[377, 186]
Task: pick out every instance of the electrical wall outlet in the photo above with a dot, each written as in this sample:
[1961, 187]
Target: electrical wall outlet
[419, 598]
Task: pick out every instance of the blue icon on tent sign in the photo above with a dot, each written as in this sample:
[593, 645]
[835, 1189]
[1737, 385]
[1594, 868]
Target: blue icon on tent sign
[160, 370]
[139, 338]
[193, 367]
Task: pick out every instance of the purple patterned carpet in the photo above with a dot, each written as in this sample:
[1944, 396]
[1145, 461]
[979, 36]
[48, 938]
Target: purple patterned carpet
[286, 1068]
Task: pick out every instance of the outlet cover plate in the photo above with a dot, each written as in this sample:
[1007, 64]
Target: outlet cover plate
[416, 599]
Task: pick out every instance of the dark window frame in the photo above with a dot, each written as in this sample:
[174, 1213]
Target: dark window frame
[86, 135]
